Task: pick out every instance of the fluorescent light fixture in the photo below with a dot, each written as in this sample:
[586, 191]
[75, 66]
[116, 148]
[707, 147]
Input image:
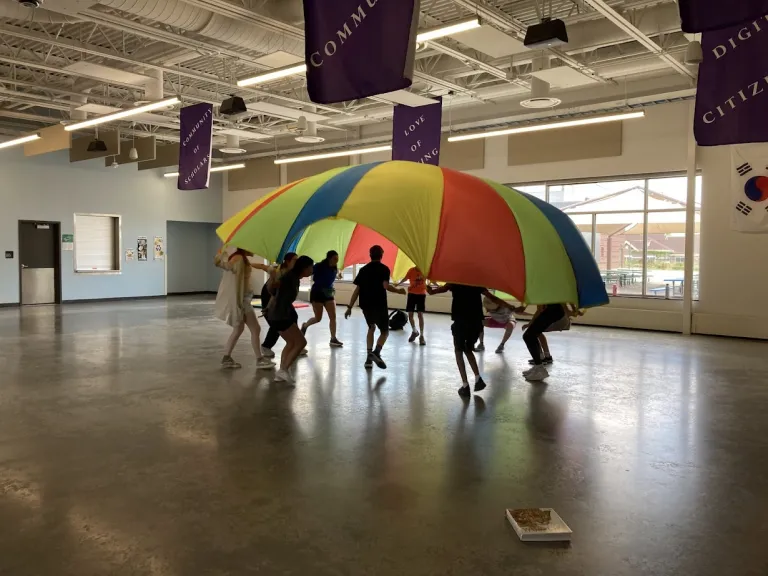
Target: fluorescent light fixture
[552, 126]
[294, 69]
[351, 152]
[122, 114]
[17, 141]
[450, 30]
[274, 74]
[214, 169]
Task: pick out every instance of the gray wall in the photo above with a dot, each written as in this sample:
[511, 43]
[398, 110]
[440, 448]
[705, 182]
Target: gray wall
[190, 250]
[48, 187]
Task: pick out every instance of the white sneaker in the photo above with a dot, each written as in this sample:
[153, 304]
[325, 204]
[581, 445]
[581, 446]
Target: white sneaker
[265, 364]
[536, 374]
[283, 376]
[303, 352]
[267, 352]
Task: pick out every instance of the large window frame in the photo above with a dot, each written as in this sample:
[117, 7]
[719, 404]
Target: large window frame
[645, 210]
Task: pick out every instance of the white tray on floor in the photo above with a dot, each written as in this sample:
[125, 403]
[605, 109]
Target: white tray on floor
[555, 531]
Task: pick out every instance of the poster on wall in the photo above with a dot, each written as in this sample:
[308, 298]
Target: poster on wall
[416, 133]
[358, 49]
[141, 248]
[129, 255]
[749, 188]
[67, 242]
[732, 90]
[159, 248]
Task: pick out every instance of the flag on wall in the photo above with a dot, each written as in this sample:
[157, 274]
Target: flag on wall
[416, 133]
[359, 48]
[196, 147]
[706, 15]
[749, 188]
[732, 93]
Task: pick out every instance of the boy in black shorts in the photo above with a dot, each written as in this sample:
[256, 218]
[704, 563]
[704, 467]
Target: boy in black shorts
[372, 285]
[467, 315]
[417, 302]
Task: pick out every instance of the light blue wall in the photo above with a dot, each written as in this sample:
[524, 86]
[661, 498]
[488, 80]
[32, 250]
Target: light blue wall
[50, 188]
[190, 248]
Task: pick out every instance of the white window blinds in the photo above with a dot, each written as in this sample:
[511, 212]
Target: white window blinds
[96, 243]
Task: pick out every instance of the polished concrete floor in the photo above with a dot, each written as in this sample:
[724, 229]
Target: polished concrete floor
[125, 450]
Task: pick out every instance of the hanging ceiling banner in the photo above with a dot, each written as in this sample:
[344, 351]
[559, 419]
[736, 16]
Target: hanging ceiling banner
[359, 48]
[416, 133]
[196, 147]
[732, 93]
[749, 188]
[706, 15]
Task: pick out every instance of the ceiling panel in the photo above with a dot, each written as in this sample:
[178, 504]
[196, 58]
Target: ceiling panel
[490, 41]
[564, 77]
[108, 73]
[283, 111]
[407, 98]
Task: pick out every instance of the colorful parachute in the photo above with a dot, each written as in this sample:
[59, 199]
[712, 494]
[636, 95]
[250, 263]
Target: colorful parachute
[453, 226]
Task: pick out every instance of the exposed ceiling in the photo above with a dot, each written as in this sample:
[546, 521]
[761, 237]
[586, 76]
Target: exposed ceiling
[73, 59]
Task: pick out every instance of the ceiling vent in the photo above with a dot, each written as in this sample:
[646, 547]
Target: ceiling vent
[232, 146]
[307, 131]
[540, 97]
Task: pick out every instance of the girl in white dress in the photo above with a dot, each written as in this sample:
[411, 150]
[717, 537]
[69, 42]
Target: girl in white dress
[233, 305]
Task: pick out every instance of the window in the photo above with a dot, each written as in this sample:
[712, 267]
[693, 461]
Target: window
[97, 243]
[636, 229]
[348, 274]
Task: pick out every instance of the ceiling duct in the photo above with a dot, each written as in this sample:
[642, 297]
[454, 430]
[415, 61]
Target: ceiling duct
[181, 15]
[540, 97]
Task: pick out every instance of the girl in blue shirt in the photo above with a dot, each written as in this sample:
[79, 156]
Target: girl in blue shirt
[322, 294]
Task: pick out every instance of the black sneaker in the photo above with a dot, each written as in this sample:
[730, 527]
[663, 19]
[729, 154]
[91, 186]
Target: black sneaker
[368, 362]
[335, 343]
[546, 360]
[414, 335]
[479, 385]
[465, 391]
[479, 348]
[377, 360]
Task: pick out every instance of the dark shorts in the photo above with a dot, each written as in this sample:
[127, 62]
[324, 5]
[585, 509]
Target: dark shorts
[282, 324]
[321, 296]
[416, 303]
[378, 317]
[465, 334]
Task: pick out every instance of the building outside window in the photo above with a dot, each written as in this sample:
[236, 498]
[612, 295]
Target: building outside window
[636, 229]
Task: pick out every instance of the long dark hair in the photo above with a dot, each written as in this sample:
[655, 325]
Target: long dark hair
[302, 262]
[328, 255]
[287, 260]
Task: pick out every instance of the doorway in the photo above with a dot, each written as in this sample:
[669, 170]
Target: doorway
[39, 262]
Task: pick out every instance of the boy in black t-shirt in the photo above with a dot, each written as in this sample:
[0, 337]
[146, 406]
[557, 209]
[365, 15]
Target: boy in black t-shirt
[467, 315]
[372, 285]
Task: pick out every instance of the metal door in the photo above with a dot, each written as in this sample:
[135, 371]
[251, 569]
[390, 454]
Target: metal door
[38, 248]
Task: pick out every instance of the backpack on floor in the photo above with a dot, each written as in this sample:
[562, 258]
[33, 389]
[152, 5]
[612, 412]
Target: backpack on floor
[397, 320]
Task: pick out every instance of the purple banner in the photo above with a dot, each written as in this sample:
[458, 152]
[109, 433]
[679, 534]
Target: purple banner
[706, 15]
[416, 133]
[196, 146]
[359, 48]
[732, 93]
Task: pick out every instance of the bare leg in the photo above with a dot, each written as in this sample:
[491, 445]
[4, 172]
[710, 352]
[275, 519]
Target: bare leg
[421, 323]
[472, 361]
[330, 307]
[508, 329]
[461, 366]
[410, 319]
[233, 338]
[294, 344]
[544, 345]
[382, 340]
[317, 308]
[481, 339]
[253, 326]
[369, 336]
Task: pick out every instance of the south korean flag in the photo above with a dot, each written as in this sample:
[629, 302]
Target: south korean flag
[749, 188]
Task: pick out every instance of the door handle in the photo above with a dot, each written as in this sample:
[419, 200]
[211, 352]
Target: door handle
[24, 266]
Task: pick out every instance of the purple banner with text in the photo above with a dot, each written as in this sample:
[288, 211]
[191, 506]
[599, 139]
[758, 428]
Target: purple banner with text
[358, 48]
[196, 146]
[416, 133]
[732, 93]
[706, 15]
